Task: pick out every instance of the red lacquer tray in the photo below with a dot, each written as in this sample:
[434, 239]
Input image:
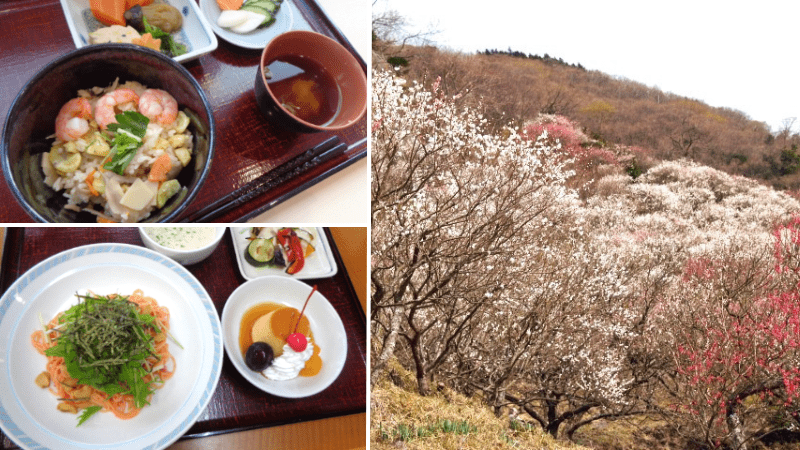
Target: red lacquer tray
[248, 148]
[236, 404]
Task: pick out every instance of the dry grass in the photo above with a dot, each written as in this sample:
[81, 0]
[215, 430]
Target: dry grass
[397, 410]
[630, 434]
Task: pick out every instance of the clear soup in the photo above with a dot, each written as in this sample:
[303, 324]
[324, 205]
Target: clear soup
[305, 89]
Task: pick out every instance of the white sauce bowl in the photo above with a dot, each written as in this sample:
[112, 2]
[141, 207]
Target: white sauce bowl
[184, 257]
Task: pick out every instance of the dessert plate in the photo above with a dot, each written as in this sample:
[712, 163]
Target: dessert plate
[326, 325]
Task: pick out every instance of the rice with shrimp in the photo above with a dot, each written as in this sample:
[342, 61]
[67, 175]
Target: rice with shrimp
[83, 146]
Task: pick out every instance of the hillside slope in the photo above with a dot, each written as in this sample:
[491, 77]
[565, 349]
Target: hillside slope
[400, 418]
[510, 86]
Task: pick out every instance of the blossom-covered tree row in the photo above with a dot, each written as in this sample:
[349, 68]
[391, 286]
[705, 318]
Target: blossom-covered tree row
[535, 267]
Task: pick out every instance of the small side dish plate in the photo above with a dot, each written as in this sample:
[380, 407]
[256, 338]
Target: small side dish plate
[320, 264]
[28, 413]
[325, 322]
[258, 39]
[196, 33]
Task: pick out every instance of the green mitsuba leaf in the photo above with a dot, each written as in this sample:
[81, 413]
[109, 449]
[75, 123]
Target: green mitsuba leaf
[129, 132]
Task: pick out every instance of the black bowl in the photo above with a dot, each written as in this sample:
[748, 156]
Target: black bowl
[32, 118]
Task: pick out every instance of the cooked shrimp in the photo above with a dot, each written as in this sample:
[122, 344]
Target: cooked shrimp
[71, 122]
[158, 105]
[105, 109]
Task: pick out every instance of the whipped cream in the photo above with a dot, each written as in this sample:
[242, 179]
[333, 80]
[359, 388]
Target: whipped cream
[289, 364]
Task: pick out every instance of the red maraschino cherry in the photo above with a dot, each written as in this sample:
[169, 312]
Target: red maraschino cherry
[297, 341]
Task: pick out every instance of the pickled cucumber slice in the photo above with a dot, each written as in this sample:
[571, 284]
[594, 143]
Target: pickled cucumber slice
[255, 8]
[267, 5]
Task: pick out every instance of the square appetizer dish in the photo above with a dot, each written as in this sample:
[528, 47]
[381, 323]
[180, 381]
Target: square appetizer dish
[296, 252]
[176, 28]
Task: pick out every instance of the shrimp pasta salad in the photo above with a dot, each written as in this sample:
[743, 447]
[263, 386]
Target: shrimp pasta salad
[118, 150]
[106, 353]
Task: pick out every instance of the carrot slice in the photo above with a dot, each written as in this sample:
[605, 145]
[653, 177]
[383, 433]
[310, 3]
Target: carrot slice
[109, 12]
[161, 166]
[146, 40]
[90, 182]
[230, 4]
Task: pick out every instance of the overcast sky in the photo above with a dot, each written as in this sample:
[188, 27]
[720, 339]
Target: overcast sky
[733, 54]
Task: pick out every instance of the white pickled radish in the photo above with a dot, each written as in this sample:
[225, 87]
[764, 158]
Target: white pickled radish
[231, 18]
[250, 24]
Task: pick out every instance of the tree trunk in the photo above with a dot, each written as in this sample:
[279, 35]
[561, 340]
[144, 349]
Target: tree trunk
[423, 383]
[736, 432]
[552, 429]
[389, 344]
[552, 422]
[498, 400]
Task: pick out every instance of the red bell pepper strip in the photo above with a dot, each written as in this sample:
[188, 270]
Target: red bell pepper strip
[294, 251]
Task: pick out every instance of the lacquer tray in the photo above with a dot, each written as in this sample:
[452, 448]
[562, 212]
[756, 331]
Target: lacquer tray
[236, 404]
[256, 165]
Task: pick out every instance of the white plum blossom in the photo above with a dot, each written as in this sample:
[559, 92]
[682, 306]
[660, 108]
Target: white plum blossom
[490, 271]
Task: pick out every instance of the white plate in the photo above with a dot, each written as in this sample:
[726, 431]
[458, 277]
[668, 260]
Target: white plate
[258, 39]
[28, 413]
[195, 34]
[325, 323]
[320, 264]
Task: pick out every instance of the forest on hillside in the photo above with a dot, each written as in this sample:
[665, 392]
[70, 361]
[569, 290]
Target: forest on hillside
[512, 86]
[593, 288]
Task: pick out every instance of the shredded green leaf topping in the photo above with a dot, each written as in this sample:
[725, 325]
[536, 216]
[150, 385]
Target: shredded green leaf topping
[88, 412]
[129, 132]
[104, 343]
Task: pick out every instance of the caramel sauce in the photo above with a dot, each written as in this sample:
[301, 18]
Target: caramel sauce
[313, 365]
[248, 319]
[286, 322]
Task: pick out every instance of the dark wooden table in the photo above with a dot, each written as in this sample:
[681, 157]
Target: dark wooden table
[35, 32]
[236, 404]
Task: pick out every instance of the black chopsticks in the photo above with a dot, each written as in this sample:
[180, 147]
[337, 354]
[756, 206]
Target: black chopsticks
[328, 149]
